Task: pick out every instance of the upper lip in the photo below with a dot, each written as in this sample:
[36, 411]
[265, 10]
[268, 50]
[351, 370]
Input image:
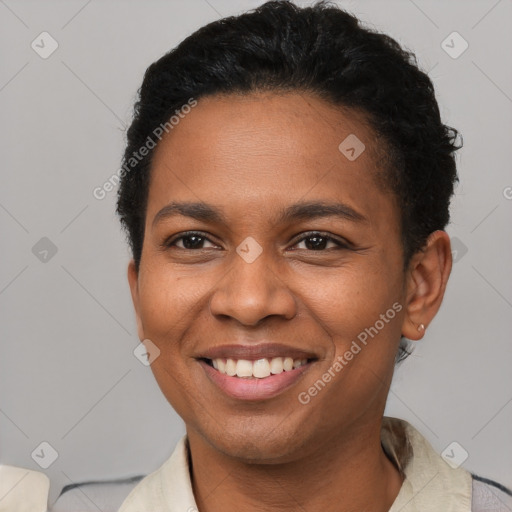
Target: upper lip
[254, 352]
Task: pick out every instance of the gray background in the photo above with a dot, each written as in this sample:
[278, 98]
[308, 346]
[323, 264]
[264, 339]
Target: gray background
[67, 372]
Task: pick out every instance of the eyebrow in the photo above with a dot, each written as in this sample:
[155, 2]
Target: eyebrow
[205, 212]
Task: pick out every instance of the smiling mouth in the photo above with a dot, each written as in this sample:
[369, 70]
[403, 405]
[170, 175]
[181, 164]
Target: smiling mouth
[257, 369]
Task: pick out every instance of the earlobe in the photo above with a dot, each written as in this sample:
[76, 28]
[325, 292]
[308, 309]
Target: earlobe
[427, 277]
[133, 281]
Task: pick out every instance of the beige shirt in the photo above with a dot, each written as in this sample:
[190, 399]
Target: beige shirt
[430, 484]
[23, 490]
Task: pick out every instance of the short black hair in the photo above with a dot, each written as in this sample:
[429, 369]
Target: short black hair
[322, 50]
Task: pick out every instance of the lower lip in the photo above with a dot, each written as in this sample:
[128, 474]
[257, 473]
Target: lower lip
[254, 388]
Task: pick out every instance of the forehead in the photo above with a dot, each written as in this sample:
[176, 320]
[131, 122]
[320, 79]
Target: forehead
[267, 149]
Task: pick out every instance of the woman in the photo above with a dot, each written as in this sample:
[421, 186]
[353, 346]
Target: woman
[285, 189]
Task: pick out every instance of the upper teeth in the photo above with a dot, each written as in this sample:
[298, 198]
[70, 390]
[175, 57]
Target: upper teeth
[260, 369]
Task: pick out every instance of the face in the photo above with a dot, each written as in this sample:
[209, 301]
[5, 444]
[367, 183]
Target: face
[265, 243]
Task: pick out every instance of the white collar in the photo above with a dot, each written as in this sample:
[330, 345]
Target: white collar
[430, 483]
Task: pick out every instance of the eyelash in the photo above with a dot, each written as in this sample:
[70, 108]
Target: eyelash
[310, 234]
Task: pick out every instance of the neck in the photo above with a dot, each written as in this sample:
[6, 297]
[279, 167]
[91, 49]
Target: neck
[345, 473]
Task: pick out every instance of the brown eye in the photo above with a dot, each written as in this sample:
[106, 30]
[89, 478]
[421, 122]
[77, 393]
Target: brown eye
[190, 241]
[318, 242]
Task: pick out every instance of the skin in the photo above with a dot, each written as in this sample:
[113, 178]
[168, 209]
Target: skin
[250, 157]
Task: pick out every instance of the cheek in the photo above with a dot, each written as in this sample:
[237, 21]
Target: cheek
[168, 300]
[353, 298]
[167, 308]
[160, 313]
[361, 311]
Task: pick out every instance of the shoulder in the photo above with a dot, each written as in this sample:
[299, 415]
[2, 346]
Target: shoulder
[23, 489]
[106, 496]
[148, 492]
[124, 494]
[167, 489]
[490, 496]
[167, 485]
[112, 495]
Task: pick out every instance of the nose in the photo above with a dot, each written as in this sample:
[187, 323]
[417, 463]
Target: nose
[250, 292]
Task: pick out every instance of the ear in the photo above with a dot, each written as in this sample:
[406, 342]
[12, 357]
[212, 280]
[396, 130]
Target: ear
[133, 281]
[427, 277]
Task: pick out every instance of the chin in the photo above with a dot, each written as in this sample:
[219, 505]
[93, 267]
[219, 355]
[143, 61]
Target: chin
[260, 443]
